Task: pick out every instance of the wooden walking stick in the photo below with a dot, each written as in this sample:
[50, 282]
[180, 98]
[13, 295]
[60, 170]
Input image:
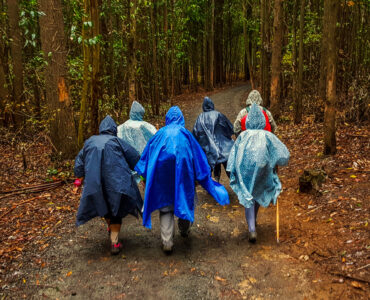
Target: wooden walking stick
[277, 221]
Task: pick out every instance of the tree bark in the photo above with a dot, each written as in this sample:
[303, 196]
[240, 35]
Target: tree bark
[276, 58]
[330, 20]
[265, 44]
[166, 57]
[153, 17]
[131, 68]
[246, 46]
[298, 103]
[61, 121]
[16, 47]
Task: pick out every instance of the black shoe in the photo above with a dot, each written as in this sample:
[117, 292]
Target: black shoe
[184, 227]
[252, 237]
[115, 248]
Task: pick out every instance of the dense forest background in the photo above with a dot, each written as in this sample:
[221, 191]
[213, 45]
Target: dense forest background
[65, 64]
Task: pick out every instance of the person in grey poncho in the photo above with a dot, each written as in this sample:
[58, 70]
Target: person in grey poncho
[252, 165]
[253, 97]
[135, 131]
[213, 131]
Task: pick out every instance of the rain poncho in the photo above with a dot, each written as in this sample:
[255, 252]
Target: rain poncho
[252, 162]
[135, 131]
[106, 162]
[253, 97]
[213, 131]
[171, 163]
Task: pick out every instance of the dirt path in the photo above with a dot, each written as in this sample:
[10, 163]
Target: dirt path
[215, 262]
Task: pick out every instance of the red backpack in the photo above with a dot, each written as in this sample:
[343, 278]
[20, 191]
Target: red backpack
[244, 119]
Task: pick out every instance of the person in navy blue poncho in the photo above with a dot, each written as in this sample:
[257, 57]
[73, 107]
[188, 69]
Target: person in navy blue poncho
[171, 163]
[105, 165]
[213, 131]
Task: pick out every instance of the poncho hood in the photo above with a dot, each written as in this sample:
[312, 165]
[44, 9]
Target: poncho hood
[137, 111]
[108, 126]
[254, 97]
[174, 116]
[255, 118]
[208, 104]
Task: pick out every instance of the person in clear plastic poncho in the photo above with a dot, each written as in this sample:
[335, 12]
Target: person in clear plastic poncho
[252, 165]
[135, 131]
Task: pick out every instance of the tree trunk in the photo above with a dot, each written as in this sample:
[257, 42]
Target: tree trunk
[96, 93]
[276, 58]
[330, 20]
[153, 17]
[62, 128]
[298, 103]
[294, 54]
[264, 71]
[246, 46]
[16, 47]
[166, 58]
[131, 68]
[212, 45]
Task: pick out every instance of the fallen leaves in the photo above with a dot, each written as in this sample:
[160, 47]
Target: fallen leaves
[69, 274]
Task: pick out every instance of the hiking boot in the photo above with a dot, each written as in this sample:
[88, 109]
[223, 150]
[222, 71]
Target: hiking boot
[184, 227]
[167, 249]
[252, 237]
[115, 248]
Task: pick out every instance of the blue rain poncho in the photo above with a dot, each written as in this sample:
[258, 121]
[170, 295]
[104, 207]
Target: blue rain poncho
[252, 162]
[106, 162]
[135, 131]
[171, 163]
[213, 131]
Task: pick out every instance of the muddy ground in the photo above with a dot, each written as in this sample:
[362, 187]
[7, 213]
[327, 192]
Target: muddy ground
[323, 252]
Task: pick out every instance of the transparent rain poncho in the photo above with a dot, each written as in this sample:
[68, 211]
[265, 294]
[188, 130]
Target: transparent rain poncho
[253, 160]
[135, 131]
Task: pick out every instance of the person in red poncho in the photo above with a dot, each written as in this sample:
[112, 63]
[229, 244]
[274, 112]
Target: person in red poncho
[254, 97]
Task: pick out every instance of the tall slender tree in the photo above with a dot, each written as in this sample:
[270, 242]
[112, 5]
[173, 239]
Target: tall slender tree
[277, 46]
[16, 57]
[53, 42]
[298, 93]
[330, 23]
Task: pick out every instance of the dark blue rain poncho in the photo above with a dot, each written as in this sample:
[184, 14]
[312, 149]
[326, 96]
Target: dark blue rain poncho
[252, 162]
[171, 163]
[106, 162]
[213, 131]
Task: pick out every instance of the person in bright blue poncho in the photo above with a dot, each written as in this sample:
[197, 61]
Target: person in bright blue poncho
[213, 131]
[171, 163]
[252, 165]
[105, 166]
[135, 131]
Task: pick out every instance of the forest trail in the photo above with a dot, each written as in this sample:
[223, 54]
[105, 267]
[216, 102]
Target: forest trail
[215, 262]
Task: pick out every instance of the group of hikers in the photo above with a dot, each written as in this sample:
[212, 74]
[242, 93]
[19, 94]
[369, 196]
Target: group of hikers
[170, 162]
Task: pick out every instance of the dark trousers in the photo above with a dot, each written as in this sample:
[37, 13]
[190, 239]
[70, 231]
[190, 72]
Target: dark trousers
[217, 170]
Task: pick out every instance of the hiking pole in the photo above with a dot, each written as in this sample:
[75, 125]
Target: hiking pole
[277, 221]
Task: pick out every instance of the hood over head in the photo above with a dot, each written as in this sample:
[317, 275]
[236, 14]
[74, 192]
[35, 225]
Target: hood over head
[255, 118]
[108, 126]
[254, 97]
[137, 111]
[208, 104]
[175, 116]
